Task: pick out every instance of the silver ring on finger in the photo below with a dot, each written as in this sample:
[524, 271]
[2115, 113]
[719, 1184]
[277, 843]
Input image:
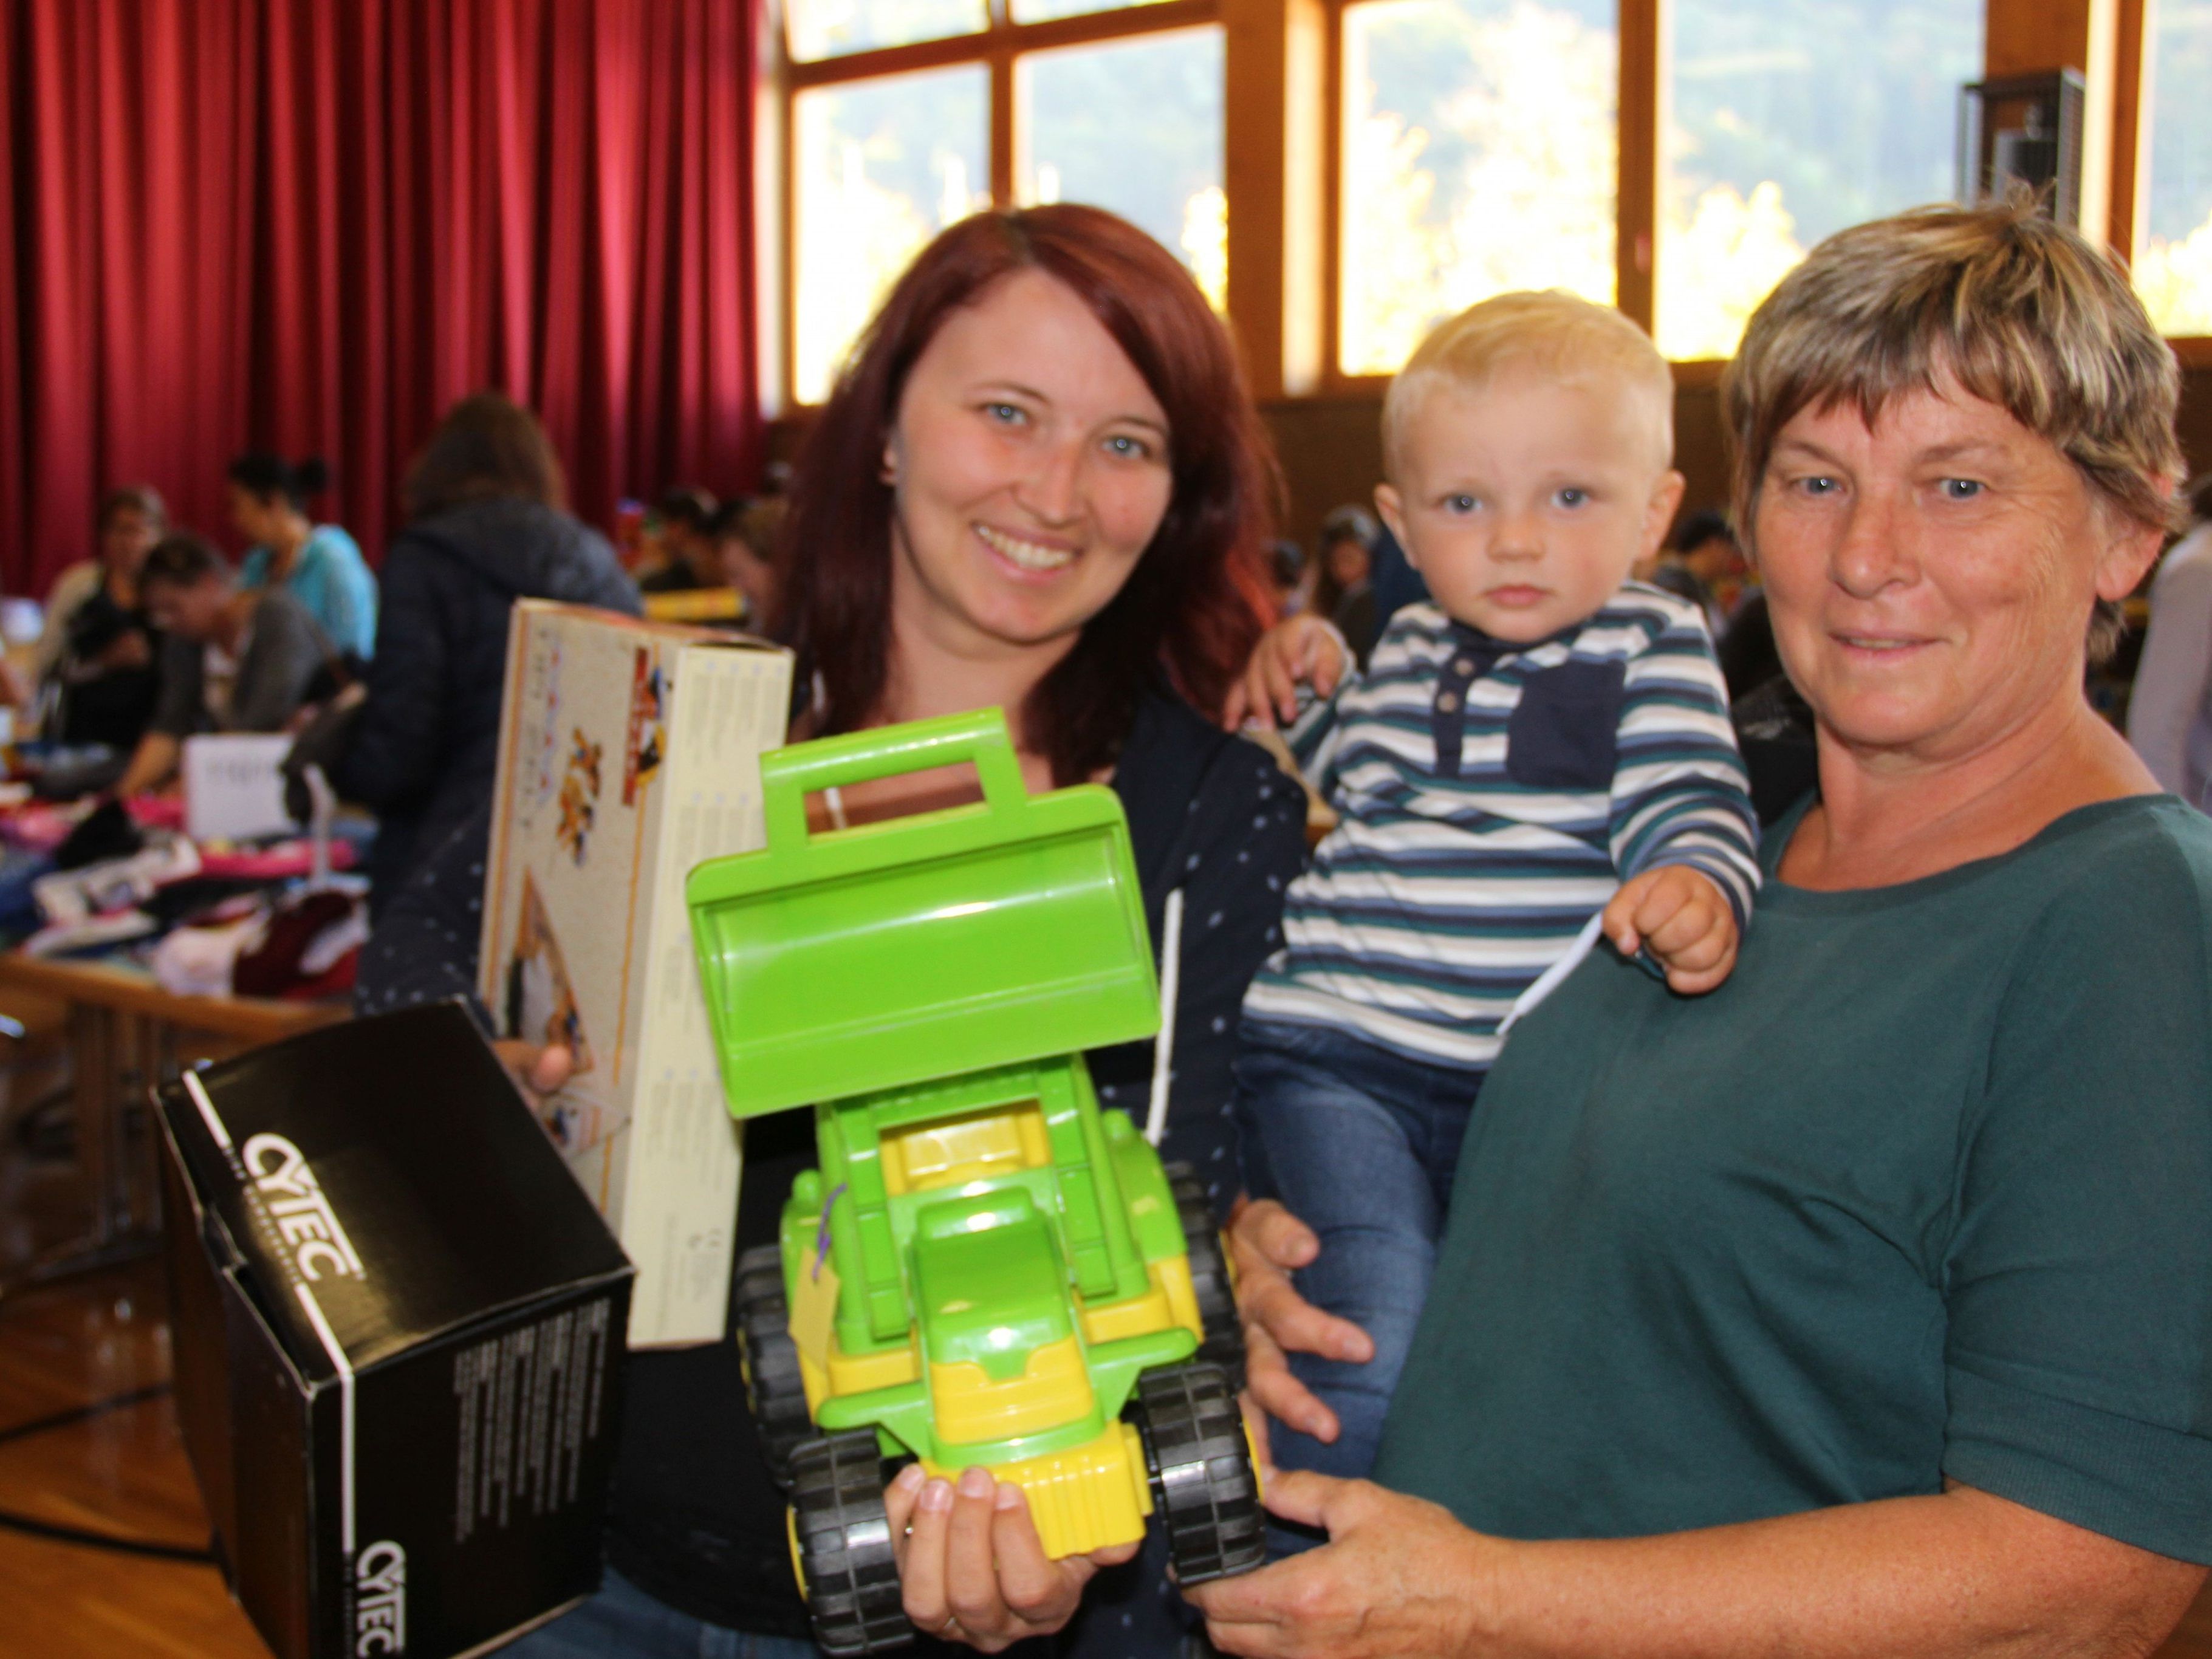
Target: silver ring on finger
[950, 1620]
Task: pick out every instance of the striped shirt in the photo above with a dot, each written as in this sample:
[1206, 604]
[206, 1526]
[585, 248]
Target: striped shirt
[1492, 798]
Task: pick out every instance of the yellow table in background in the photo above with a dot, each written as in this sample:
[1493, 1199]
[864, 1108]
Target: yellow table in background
[696, 604]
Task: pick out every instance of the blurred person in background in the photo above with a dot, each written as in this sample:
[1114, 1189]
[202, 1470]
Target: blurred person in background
[1704, 565]
[2170, 712]
[487, 523]
[97, 651]
[683, 529]
[1340, 558]
[320, 565]
[233, 659]
[747, 554]
[1289, 577]
[1345, 594]
[1748, 656]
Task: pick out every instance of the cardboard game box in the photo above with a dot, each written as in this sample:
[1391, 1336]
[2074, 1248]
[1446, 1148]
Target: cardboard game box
[629, 752]
[398, 1339]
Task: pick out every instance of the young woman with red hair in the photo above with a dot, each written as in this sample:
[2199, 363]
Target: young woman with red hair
[1040, 485]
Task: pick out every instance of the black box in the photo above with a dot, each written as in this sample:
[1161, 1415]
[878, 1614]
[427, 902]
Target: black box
[398, 1332]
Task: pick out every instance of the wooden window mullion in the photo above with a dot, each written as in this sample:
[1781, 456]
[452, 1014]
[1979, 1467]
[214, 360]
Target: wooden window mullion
[1002, 122]
[1642, 119]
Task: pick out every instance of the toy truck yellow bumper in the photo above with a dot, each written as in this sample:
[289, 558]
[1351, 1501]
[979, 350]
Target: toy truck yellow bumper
[1088, 1497]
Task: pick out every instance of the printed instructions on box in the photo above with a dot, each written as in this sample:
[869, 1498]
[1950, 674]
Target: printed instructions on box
[529, 1405]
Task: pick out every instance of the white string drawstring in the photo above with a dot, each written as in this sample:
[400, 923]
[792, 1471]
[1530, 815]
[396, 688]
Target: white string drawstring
[1548, 980]
[1155, 1119]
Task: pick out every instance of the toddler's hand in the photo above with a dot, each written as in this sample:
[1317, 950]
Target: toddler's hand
[1681, 916]
[1297, 649]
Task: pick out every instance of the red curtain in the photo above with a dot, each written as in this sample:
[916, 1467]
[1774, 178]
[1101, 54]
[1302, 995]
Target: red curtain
[310, 225]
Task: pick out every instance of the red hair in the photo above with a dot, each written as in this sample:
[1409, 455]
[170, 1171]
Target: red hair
[1195, 605]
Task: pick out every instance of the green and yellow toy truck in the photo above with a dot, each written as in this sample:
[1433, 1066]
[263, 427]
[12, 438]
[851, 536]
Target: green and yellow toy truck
[986, 1268]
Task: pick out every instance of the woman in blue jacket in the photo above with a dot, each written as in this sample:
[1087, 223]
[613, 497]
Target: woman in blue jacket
[486, 525]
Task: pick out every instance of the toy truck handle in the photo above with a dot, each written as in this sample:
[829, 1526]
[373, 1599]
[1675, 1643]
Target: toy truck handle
[789, 775]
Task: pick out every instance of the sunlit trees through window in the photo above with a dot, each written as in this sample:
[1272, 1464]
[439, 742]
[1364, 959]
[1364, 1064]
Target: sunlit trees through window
[2173, 260]
[1481, 152]
[1480, 155]
[885, 153]
[1791, 119]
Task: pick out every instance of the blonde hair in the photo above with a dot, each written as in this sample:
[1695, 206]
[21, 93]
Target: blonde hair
[2011, 306]
[1568, 338]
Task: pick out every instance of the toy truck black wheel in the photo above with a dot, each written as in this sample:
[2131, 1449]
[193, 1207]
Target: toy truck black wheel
[842, 1542]
[1204, 1487]
[1222, 1344]
[770, 1359]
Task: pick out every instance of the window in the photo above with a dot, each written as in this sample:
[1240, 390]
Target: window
[830, 28]
[904, 116]
[2173, 257]
[1495, 144]
[880, 167]
[1791, 119]
[1407, 158]
[1135, 126]
[1479, 154]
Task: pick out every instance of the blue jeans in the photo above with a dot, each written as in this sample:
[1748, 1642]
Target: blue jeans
[1360, 1144]
[623, 1622]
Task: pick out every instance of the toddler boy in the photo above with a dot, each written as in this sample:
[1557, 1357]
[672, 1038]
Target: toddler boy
[1544, 742]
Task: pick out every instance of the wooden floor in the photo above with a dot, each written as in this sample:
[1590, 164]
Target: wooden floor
[120, 1471]
[123, 1471]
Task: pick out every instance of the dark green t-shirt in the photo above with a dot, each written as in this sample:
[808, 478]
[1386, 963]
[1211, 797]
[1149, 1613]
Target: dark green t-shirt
[1925, 1189]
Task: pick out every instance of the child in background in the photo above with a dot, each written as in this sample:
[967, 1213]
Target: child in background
[680, 528]
[747, 538]
[1544, 744]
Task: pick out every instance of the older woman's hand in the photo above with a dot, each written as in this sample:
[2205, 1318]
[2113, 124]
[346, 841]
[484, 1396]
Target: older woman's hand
[1267, 1242]
[971, 1566]
[1399, 1574]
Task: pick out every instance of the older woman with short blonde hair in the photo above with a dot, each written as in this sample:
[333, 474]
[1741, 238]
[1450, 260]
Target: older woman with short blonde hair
[1864, 1306]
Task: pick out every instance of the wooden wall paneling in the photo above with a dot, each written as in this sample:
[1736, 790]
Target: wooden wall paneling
[1331, 447]
[2025, 37]
[2193, 421]
[1700, 442]
[1331, 451]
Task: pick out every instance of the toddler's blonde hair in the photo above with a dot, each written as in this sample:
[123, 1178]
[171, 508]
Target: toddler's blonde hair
[1551, 332]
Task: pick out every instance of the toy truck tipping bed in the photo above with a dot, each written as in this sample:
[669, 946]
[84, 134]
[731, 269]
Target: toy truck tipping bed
[986, 1268]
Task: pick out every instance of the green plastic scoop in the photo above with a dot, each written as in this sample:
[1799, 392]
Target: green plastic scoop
[921, 947]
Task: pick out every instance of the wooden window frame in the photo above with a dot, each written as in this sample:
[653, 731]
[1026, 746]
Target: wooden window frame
[1283, 152]
[997, 47]
[2130, 158]
[2102, 37]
